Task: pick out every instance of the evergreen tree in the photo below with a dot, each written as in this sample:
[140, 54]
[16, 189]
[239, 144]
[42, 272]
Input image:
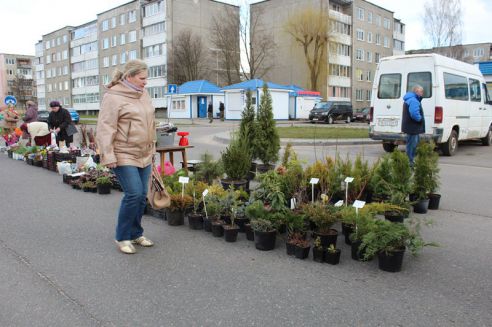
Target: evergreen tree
[247, 128]
[267, 139]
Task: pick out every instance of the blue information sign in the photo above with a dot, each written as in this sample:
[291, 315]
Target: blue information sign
[10, 99]
[172, 89]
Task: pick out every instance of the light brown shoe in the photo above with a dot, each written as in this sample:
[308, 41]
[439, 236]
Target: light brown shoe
[143, 241]
[126, 247]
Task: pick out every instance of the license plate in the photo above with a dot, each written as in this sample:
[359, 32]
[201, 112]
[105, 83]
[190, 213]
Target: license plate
[388, 122]
[315, 118]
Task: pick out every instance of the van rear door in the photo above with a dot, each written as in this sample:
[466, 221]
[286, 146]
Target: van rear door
[388, 104]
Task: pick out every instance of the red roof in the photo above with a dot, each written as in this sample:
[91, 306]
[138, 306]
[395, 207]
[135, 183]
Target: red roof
[312, 93]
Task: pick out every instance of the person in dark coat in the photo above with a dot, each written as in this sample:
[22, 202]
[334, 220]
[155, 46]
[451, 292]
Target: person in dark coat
[210, 111]
[30, 116]
[58, 121]
[221, 110]
[413, 123]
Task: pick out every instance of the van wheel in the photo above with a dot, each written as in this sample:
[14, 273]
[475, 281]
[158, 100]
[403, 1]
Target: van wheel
[330, 120]
[389, 147]
[451, 146]
[487, 140]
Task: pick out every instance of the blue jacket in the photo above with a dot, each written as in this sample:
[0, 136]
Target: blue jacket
[413, 114]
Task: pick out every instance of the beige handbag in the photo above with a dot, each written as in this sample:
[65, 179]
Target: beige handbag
[157, 194]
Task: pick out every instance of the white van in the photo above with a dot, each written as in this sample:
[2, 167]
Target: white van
[456, 103]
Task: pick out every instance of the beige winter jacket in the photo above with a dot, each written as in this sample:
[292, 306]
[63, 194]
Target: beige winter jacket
[125, 132]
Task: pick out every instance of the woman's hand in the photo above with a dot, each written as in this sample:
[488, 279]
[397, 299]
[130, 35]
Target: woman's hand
[111, 165]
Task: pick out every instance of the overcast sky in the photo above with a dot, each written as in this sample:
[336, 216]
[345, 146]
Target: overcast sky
[24, 22]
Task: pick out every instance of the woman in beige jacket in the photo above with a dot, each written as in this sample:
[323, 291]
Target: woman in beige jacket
[125, 136]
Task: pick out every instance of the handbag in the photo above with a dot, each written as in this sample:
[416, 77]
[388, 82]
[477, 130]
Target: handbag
[157, 194]
[71, 129]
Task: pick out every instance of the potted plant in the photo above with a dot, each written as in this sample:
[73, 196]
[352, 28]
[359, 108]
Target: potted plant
[426, 178]
[295, 230]
[389, 242]
[332, 255]
[318, 251]
[89, 186]
[231, 230]
[103, 185]
[212, 212]
[347, 217]
[195, 218]
[323, 217]
[267, 140]
[236, 160]
[247, 132]
[208, 169]
[176, 210]
[302, 248]
[363, 224]
[263, 226]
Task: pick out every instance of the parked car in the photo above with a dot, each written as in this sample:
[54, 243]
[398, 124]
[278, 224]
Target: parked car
[43, 115]
[361, 115]
[329, 111]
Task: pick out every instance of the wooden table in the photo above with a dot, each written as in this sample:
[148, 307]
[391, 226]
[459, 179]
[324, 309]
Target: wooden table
[171, 149]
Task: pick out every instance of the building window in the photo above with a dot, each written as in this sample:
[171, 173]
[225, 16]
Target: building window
[48, 73]
[65, 54]
[359, 54]
[10, 61]
[123, 58]
[132, 36]
[157, 71]
[156, 92]
[339, 27]
[359, 74]
[378, 20]
[154, 29]
[339, 70]
[115, 60]
[369, 17]
[58, 41]
[360, 13]
[113, 22]
[386, 42]
[360, 35]
[132, 16]
[106, 61]
[359, 95]
[105, 79]
[105, 43]
[122, 19]
[48, 59]
[47, 45]
[387, 24]
[377, 56]
[368, 95]
[65, 39]
[122, 38]
[478, 52]
[132, 55]
[114, 41]
[65, 84]
[105, 25]
[368, 76]
[65, 70]
[369, 56]
[378, 39]
[153, 9]
[369, 37]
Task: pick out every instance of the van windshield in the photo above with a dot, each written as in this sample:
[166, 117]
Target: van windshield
[389, 86]
[322, 105]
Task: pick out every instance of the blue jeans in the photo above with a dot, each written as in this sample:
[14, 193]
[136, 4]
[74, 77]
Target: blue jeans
[134, 182]
[412, 142]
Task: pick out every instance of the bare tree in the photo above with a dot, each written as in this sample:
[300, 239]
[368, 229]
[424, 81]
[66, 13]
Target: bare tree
[258, 46]
[310, 29]
[22, 90]
[225, 38]
[443, 20]
[188, 60]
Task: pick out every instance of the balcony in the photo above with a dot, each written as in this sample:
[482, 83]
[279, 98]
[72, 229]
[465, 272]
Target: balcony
[338, 16]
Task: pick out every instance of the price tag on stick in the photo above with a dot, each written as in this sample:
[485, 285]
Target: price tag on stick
[204, 194]
[347, 181]
[183, 180]
[313, 181]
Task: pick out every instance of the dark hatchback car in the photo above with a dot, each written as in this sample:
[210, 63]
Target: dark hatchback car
[361, 115]
[43, 115]
[330, 111]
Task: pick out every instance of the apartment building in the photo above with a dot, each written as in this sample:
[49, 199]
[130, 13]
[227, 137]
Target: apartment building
[470, 53]
[74, 63]
[16, 78]
[361, 34]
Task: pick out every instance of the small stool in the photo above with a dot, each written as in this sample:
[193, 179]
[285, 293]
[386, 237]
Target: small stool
[183, 141]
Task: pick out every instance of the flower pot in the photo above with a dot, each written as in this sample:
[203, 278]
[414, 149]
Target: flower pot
[263, 168]
[195, 221]
[265, 241]
[393, 216]
[87, 189]
[391, 261]
[355, 252]
[434, 200]
[38, 163]
[250, 234]
[175, 218]
[241, 222]
[333, 258]
[302, 252]
[217, 228]
[318, 254]
[228, 183]
[421, 206]
[66, 179]
[327, 239]
[226, 219]
[282, 229]
[347, 229]
[230, 233]
[290, 248]
[104, 189]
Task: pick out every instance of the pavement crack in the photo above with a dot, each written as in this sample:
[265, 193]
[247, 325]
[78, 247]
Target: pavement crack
[467, 213]
[25, 261]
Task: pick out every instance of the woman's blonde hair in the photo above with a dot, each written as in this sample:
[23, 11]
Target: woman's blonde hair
[132, 68]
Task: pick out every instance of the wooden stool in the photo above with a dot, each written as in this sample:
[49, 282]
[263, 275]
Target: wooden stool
[171, 149]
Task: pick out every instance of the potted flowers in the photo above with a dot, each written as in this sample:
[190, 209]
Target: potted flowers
[332, 255]
[236, 160]
[323, 217]
[103, 185]
[262, 223]
[426, 178]
[176, 210]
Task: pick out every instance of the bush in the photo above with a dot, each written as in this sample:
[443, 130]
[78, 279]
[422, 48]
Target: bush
[236, 159]
[267, 143]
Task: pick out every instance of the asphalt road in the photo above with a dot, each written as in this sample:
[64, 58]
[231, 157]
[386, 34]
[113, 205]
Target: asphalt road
[59, 265]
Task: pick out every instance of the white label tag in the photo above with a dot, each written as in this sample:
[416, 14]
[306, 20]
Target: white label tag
[359, 204]
[204, 194]
[339, 203]
[314, 181]
[293, 203]
[349, 179]
[184, 180]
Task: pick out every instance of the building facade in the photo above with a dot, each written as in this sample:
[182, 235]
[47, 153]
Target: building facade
[361, 33]
[16, 78]
[74, 63]
[470, 53]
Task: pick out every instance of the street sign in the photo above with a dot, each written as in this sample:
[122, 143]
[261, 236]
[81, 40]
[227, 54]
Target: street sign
[10, 99]
[172, 89]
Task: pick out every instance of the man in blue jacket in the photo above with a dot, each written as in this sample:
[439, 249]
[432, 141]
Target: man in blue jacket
[413, 122]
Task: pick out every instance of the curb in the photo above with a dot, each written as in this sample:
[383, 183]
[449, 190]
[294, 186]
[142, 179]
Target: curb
[301, 142]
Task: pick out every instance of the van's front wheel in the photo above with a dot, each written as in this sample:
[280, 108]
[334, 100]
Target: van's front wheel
[451, 146]
[487, 140]
[389, 147]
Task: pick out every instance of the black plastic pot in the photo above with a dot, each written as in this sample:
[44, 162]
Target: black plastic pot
[104, 189]
[217, 229]
[347, 229]
[156, 213]
[421, 206]
[175, 218]
[290, 248]
[318, 254]
[393, 216]
[282, 229]
[263, 168]
[228, 183]
[333, 258]
[195, 221]
[265, 241]
[241, 221]
[226, 219]
[66, 179]
[230, 233]
[391, 261]
[355, 253]
[327, 239]
[302, 252]
[38, 163]
[434, 200]
[207, 224]
[250, 234]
